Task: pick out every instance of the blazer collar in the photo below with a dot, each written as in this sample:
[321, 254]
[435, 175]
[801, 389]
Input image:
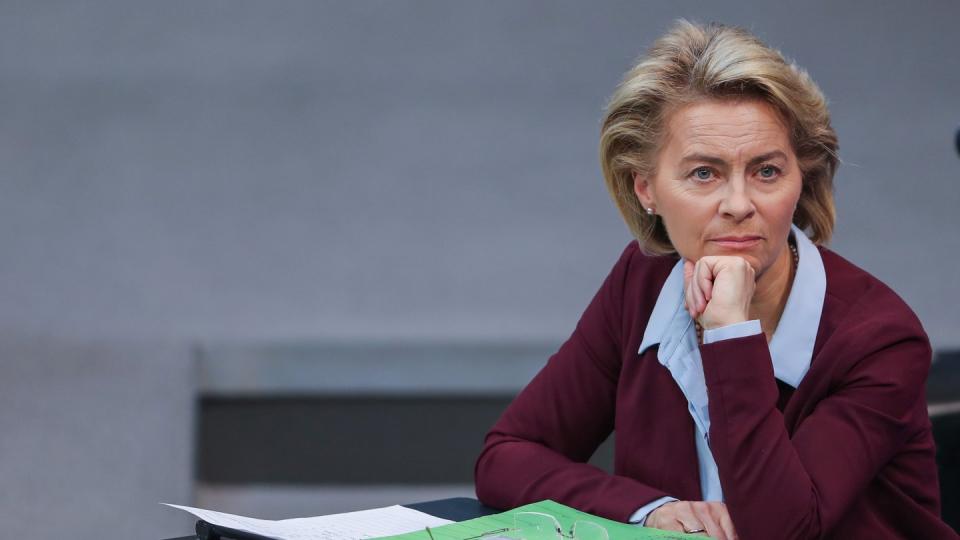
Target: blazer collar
[791, 347]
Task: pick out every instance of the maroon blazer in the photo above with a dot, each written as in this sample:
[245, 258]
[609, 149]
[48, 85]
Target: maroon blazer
[848, 454]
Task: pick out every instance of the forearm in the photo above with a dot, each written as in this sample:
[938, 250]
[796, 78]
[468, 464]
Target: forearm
[511, 472]
[808, 478]
[759, 469]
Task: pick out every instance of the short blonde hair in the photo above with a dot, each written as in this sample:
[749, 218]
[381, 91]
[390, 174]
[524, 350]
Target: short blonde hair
[694, 62]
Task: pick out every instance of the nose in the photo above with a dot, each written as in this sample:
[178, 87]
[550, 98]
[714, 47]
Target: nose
[736, 202]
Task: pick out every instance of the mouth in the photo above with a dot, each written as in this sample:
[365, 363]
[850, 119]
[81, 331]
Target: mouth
[737, 242]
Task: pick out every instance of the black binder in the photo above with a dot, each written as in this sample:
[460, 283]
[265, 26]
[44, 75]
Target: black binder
[209, 531]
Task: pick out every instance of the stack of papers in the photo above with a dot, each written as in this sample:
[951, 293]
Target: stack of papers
[379, 522]
[401, 523]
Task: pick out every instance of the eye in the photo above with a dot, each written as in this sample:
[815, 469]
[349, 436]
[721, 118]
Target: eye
[768, 172]
[702, 174]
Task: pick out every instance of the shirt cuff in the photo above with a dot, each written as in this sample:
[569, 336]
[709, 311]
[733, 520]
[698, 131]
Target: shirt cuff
[640, 516]
[730, 331]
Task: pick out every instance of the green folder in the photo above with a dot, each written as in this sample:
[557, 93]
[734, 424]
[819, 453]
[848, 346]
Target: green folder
[564, 514]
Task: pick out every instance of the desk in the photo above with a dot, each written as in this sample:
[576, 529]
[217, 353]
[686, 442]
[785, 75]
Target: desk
[455, 509]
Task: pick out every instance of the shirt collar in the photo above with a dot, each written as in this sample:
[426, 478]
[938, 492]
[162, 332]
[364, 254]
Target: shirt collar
[791, 347]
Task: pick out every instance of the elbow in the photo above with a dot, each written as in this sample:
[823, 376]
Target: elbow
[482, 480]
[489, 489]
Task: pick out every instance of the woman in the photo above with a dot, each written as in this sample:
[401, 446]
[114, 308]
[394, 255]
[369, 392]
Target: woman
[760, 385]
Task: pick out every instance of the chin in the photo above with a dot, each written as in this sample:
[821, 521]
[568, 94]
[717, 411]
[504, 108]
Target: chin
[758, 268]
[758, 265]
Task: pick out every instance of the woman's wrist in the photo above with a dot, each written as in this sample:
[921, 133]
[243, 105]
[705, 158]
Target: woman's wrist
[732, 331]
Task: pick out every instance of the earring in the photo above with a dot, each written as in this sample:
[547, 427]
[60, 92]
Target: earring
[650, 211]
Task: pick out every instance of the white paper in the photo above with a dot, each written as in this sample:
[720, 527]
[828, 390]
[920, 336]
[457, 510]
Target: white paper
[374, 523]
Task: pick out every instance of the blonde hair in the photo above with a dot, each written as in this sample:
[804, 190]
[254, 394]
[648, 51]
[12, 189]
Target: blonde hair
[694, 62]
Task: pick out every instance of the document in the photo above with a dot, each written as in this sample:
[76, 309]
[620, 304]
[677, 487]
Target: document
[504, 527]
[379, 522]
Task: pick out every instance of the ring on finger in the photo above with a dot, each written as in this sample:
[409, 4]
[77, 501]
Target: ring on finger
[691, 530]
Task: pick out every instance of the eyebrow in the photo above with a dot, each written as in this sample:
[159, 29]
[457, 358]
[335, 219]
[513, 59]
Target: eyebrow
[719, 161]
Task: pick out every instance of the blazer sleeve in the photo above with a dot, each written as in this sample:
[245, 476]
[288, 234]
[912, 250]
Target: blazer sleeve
[539, 447]
[802, 486]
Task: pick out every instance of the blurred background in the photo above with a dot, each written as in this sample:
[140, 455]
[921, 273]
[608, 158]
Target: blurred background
[287, 259]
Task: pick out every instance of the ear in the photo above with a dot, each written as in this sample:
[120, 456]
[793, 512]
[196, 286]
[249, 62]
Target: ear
[644, 191]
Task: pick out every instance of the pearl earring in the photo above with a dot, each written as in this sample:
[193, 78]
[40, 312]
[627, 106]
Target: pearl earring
[650, 211]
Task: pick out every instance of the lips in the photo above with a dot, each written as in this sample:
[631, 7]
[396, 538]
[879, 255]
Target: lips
[737, 242]
[736, 238]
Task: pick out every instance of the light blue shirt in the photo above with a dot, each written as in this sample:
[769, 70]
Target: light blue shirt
[791, 350]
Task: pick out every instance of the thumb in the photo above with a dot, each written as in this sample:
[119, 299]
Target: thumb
[688, 267]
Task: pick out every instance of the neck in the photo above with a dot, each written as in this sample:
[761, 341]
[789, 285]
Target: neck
[772, 291]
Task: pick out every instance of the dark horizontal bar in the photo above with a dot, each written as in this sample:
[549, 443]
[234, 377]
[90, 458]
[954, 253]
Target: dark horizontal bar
[344, 440]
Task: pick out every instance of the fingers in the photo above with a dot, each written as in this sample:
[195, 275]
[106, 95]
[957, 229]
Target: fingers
[731, 278]
[726, 284]
[704, 514]
[697, 286]
[723, 516]
[692, 516]
[705, 280]
[681, 516]
[686, 518]
[688, 300]
[687, 271]
[664, 517]
[687, 280]
[688, 267]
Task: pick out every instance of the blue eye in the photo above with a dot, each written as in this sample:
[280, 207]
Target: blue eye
[702, 173]
[768, 172]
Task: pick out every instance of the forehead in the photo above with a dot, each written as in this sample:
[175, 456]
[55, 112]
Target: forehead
[726, 128]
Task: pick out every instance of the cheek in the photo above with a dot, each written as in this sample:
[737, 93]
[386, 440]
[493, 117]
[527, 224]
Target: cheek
[692, 210]
[778, 204]
[686, 219]
[785, 207]
[783, 210]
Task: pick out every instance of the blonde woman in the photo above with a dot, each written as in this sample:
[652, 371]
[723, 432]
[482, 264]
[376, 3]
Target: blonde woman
[760, 385]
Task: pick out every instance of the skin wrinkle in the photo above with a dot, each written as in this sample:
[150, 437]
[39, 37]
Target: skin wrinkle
[727, 168]
[735, 200]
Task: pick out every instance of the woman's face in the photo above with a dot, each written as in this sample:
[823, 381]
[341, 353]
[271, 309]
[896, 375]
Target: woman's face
[727, 181]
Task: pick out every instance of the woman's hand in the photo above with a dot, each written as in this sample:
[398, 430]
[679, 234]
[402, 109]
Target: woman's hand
[718, 290]
[684, 516]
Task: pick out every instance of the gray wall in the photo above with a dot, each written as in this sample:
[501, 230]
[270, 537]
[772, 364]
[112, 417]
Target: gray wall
[241, 171]
[406, 168]
[93, 436]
